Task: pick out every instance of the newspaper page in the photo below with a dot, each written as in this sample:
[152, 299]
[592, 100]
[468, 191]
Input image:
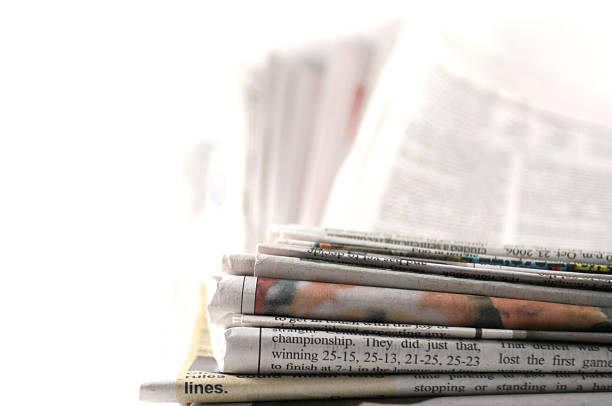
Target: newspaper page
[199, 381]
[467, 152]
[250, 350]
[532, 399]
[398, 241]
[436, 250]
[272, 266]
[280, 297]
[446, 256]
[413, 330]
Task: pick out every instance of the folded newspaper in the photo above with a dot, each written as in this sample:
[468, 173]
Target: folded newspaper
[291, 322]
[296, 298]
[200, 380]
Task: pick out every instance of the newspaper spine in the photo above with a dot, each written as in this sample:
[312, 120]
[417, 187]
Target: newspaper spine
[271, 266]
[316, 300]
[290, 351]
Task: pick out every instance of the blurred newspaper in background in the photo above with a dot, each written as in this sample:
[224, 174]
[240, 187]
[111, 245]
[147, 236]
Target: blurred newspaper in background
[413, 128]
[304, 108]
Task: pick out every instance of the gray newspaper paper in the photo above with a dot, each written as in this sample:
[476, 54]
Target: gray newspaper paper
[250, 350]
[531, 399]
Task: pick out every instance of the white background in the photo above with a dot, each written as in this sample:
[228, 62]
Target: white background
[100, 105]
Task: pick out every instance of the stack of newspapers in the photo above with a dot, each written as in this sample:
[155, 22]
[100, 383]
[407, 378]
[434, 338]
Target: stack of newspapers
[326, 313]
